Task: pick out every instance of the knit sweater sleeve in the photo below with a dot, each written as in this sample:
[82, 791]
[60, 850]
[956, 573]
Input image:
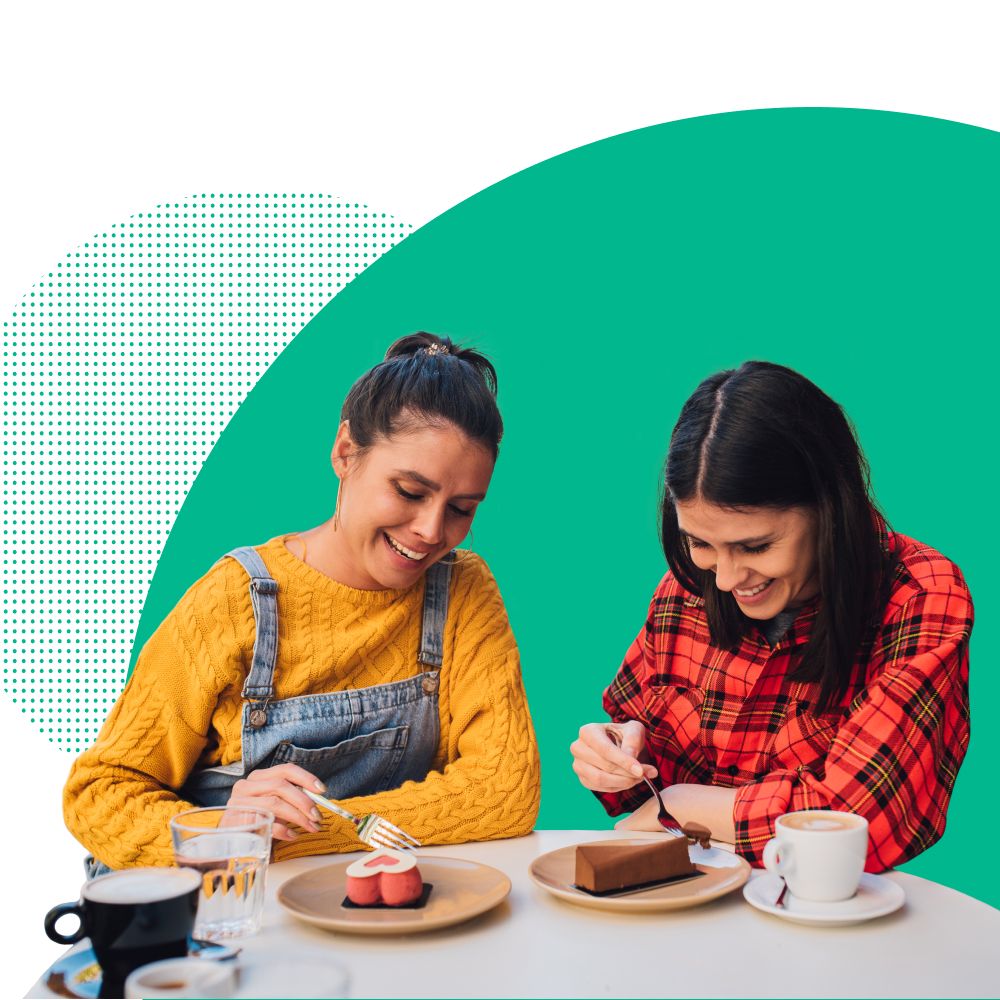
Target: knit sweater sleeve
[489, 785]
[122, 791]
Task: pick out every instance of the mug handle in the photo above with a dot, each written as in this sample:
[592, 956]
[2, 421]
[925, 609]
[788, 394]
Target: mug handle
[778, 857]
[52, 918]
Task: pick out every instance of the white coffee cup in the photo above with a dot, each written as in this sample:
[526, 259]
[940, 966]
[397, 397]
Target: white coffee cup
[182, 977]
[820, 853]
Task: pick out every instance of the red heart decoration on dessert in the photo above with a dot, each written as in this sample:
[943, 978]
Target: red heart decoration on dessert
[382, 861]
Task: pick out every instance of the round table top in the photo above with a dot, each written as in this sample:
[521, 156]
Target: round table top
[941, 943]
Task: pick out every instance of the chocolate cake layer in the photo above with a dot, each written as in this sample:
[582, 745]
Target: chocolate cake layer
[600, 867]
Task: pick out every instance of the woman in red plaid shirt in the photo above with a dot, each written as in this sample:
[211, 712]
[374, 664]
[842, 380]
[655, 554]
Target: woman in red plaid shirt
[798, 655]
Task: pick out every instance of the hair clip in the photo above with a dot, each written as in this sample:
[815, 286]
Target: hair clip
[436, 349]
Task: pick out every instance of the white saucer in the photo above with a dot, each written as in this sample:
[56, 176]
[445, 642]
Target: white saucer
[876, 897]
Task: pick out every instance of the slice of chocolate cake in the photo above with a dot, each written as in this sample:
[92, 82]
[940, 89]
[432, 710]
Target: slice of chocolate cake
[604, 868]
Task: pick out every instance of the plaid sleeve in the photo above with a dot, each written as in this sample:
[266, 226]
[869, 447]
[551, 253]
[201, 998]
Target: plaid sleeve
[895, 758]
[624, 700]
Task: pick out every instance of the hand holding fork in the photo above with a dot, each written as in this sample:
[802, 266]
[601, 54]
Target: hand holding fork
[285, 790]
[372, 829]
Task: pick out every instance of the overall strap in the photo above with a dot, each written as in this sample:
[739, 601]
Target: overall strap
[259, 685]
[437, 582]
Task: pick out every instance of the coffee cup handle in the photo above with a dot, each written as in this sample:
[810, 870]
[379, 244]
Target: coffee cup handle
[52, 918]
[777, 856]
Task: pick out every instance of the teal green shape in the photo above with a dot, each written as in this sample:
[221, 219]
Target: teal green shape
[856, 246]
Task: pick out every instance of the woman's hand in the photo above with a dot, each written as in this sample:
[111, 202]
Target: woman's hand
[279, 790]
[604, 766]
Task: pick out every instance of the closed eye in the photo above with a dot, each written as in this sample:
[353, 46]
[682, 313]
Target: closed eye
[753, 550]
[415, 497]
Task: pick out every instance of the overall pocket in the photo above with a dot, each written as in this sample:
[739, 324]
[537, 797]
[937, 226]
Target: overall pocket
[361, 765]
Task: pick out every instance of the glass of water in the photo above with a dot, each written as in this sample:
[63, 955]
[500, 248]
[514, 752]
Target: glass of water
[229, 847]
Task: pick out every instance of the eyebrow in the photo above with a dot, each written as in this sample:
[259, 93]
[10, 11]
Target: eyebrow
[436, 487]
[758, 540]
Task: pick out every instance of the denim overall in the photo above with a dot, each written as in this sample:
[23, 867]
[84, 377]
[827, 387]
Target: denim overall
[357, 742]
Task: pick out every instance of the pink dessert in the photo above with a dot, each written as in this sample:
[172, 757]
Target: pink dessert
[384, 876]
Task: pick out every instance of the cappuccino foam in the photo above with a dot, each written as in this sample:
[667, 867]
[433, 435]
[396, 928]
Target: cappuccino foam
[141, 885]
[820, 822]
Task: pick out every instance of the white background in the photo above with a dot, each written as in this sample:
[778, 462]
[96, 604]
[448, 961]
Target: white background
[109, 108]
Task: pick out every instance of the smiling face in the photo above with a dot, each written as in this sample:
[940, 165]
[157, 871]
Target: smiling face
[405, 502]
[765, 558]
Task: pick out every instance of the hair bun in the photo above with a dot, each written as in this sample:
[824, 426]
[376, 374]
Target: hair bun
[425, 379]
[429, 342]
[434, 346]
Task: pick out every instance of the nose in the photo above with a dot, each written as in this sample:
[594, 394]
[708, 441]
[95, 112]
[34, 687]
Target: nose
[429, 523]
[728, 574]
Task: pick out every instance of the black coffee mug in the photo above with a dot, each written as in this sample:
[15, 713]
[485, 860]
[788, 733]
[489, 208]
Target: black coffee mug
[132, 917]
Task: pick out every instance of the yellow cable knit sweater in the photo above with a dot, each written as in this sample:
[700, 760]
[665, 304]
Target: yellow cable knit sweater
[182, 707]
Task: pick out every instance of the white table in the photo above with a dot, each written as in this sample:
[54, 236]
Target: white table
[942, 943]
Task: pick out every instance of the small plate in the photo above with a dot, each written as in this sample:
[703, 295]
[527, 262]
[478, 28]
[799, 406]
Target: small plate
[876, 897]
[462, 890]
[77, 974]
[554, 872]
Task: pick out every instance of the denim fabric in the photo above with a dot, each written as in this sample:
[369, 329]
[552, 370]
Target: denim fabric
[92, 867]
[357, 742]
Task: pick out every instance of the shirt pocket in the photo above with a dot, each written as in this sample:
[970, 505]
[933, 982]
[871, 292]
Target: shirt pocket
[673, 724]
[804, 739]
[362, 765]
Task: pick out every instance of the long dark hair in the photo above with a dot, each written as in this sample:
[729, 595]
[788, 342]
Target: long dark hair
[762, 435]
[426, 378]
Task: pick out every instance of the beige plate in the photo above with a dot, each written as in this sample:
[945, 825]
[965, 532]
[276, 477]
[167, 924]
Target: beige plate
[462, 890]
[724, 872]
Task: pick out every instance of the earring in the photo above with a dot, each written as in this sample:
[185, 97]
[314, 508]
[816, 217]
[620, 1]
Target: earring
[336, 509]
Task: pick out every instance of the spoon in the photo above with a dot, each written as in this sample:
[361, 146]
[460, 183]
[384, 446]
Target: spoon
[780, 901]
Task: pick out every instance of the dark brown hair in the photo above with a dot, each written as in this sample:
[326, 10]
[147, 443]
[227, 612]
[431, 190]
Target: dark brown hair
[763, 435]
[430, 379]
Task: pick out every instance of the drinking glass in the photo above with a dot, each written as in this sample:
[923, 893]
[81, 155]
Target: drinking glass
[229, 847]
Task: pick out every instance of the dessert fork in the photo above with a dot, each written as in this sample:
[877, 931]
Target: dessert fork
[665, 819]
[371, 829]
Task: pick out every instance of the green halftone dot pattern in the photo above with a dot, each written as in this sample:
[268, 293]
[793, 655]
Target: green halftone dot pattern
[121, 368]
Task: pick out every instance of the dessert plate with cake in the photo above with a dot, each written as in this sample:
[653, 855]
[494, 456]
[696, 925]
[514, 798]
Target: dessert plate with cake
[393, 892]
[663, 872]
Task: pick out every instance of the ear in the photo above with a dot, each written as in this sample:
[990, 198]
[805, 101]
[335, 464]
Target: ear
[343, 451]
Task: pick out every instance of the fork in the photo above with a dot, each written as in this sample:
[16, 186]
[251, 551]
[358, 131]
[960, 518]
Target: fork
[665, 819]
[371, 829]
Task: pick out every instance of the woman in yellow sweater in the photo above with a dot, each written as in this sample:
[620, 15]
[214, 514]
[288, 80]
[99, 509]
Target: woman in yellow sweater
[363, 658]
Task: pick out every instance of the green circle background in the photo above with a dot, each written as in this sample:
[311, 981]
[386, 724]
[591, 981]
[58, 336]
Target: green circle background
[858, 247]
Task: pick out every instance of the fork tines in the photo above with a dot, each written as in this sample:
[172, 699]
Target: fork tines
[382, 833]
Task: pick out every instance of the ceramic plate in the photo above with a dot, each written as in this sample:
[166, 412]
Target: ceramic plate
[876, 897]
[723, 872]
[462, 890]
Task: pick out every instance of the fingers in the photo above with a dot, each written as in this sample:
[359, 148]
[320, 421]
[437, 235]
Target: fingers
[600, 764]
[292, 773]
[599, 780]
[599, 745]
[272, 789]
[632, 735]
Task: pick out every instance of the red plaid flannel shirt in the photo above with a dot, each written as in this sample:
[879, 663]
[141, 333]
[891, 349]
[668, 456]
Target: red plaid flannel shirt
[890, 752]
